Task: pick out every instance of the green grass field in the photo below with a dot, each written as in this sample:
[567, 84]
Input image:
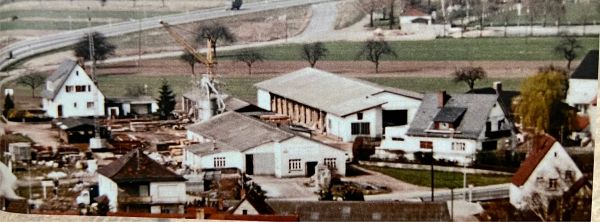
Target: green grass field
[574, 14]
[439, 49]
[441, 179]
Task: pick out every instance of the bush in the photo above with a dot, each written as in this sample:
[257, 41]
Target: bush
[501, 160]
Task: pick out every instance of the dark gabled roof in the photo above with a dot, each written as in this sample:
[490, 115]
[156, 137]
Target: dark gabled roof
[69, 123]
[257, 203]
[478, 107]
[449, 114]
[136, 166]
[588, 68]
[58, 78]
[237, 131]
[541, 146]
[362, 211]
[505, 97]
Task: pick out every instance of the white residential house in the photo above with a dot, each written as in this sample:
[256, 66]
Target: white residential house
[583, 83]
[70, 92]
[454, 127]
[338, 106]
[234, 140]
[548, 171]
[136, 183]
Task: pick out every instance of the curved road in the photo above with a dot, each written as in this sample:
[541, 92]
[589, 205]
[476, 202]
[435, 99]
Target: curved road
[26, 48]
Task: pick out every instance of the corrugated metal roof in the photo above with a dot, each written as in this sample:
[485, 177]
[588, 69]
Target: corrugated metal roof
[236, 131]
[329, 92]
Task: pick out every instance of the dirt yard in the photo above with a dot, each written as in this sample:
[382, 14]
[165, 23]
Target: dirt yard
[495, 69]
[41, 134]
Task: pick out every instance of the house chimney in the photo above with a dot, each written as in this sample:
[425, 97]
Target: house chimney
[441, 98]
[214, 144]
[81, 62]
[498, 87]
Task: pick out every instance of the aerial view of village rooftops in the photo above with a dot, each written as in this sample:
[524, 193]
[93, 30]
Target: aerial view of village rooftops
[298, 110]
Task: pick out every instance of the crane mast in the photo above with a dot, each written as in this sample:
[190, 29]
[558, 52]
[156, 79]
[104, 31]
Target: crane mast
[210, 93]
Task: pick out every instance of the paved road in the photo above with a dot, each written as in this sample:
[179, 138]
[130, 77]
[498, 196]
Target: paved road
[26, 48]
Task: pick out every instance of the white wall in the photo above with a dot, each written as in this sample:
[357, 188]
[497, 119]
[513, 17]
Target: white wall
[581, 91]
[553, 165]
[263, 99]
[109, 188]
[395, 132]
[232, 159]
[245, 206]
[442, 148]
[308, 151]
[341, 126]
[168, 192]
[68, 99]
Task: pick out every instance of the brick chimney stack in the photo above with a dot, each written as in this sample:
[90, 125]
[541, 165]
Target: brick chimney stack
[442, 98]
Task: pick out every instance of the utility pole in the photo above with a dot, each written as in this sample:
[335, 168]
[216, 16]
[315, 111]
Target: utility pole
[432, 181]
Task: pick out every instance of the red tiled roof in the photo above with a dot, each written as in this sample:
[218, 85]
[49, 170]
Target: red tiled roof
[581, 122]
[541, 146]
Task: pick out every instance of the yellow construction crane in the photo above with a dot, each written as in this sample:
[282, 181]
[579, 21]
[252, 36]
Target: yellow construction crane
[208, 61]
[207, 83]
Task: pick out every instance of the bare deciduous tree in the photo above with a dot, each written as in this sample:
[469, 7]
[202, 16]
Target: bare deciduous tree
[370, 6]
[190, 59]
[32, 80]
[469, 75]
[214, 33]
[249, 56]
[313, 52]
[374, 50]
[568, 47]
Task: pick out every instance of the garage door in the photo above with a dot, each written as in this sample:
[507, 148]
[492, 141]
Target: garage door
[264, 163]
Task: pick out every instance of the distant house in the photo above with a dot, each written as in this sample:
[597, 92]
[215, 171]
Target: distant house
[191, 98]
[454, 127]
[70, 92]
[130, 106]
[252, 204]
[415, 15]
[136, 183]
[338, 106]
[583, 83]
[548, 171]
[78, 130]
[235, 140]
[362, 211]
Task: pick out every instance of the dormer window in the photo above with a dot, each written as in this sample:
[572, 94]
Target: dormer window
[448, 118]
